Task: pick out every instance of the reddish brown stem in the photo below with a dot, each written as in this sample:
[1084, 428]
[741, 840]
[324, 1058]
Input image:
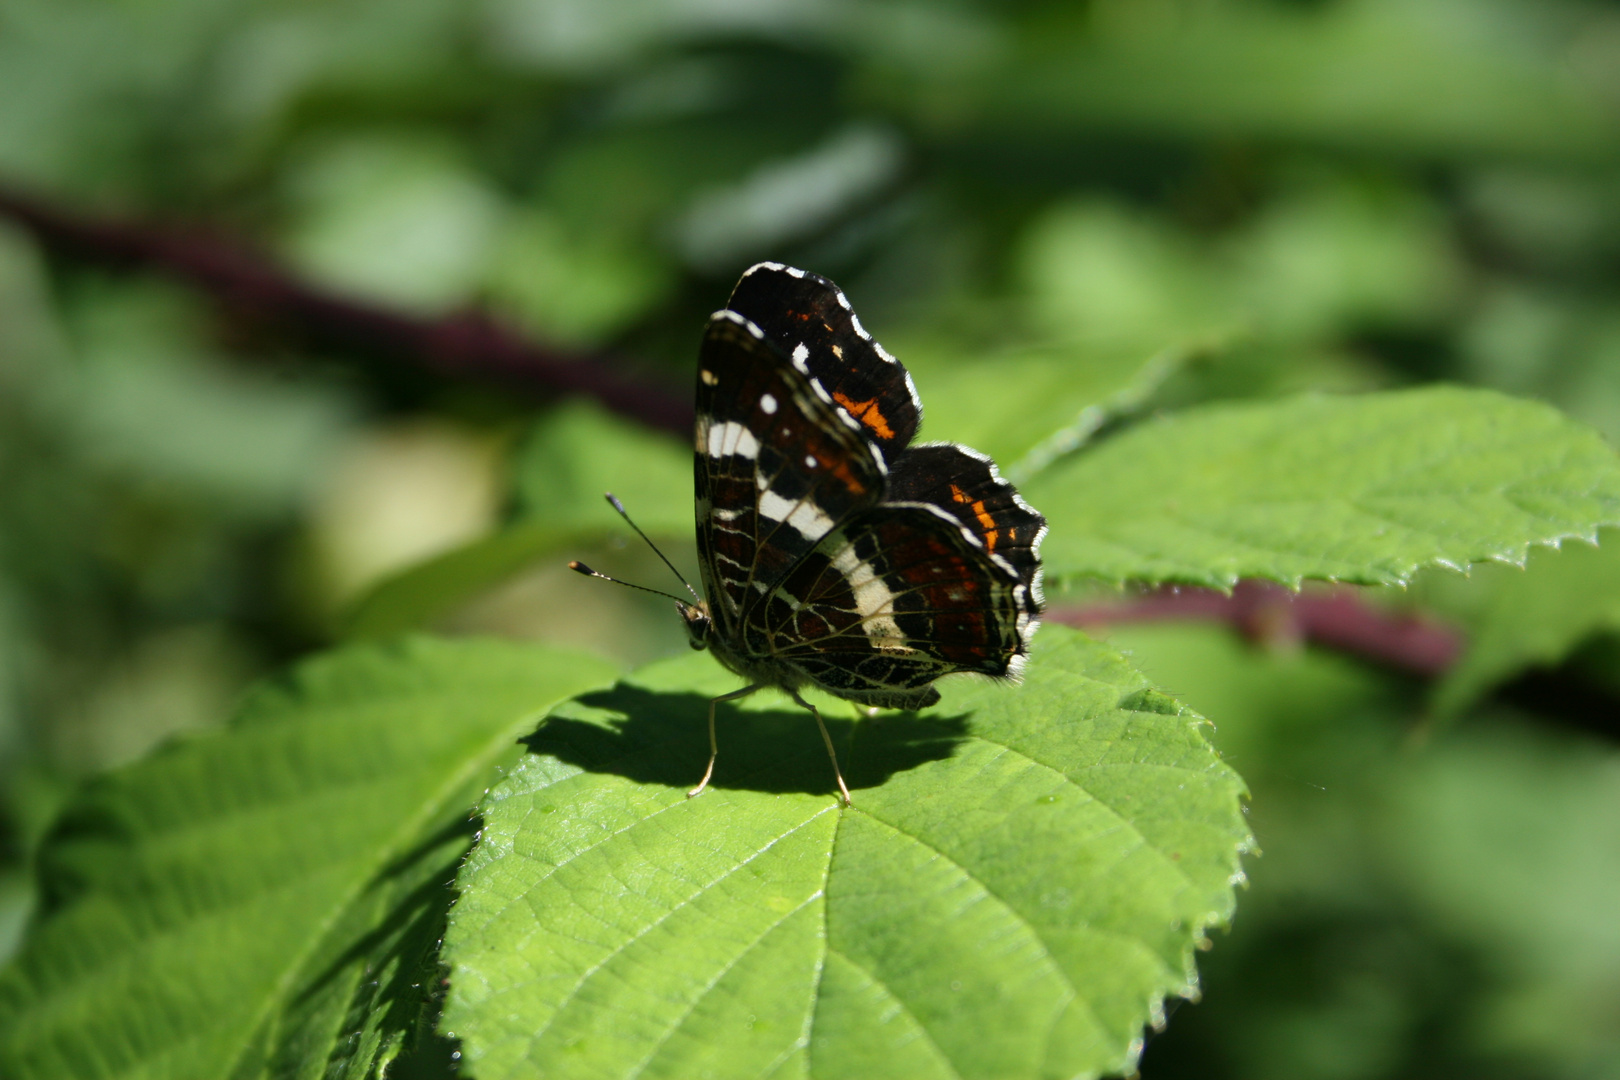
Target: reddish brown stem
[466, 345]
[1337, 618]
[471, 345]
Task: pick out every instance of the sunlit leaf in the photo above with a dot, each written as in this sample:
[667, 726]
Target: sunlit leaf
[1022, 878]
[1361, 489]
[417, 596]
[1062, 397]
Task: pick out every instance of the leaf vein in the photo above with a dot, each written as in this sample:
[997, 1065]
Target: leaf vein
[708, 987]
[922, 1028]
[663, 918]
[1018, 916]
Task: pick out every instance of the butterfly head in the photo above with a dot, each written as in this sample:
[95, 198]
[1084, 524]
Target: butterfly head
[698, 622]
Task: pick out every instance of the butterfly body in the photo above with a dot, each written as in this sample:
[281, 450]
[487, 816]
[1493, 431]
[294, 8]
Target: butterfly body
[834, 553]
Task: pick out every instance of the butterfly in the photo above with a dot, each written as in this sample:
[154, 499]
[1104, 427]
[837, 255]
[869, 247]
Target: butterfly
[836, 553]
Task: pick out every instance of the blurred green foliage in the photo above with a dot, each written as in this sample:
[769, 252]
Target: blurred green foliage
[1061, 215]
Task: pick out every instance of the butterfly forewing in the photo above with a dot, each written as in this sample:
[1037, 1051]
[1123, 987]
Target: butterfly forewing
[776, 467]
[811, 321]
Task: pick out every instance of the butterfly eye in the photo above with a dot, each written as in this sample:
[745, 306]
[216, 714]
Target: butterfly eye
[698, 625]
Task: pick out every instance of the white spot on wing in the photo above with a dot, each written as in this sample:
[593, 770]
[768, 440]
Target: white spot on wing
[803, 515]
[810, 461]
[747, 324]
[873, 600]
[709, 378]
[781, 268]
[768, 403]
[732, 438]
[911, 388]
[801, 354]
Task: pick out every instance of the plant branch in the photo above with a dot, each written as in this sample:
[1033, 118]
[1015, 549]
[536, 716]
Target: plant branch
[472, 345]
[463, 345]
[1263, 611]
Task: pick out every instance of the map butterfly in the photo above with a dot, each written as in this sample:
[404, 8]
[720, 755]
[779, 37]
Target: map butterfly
[834, 552]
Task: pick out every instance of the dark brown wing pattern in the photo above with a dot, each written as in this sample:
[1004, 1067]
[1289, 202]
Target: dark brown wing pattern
[775, 467]
[833, 552]
[811, 321]
[889, 603]
[965, 483]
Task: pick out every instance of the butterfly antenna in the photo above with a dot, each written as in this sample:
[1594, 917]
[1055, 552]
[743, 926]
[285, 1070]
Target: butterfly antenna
[580, 568]
[613, 500]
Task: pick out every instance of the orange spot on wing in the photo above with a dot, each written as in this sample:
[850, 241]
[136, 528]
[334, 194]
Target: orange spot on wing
[987, 520]
[868, 413]
[843, 472]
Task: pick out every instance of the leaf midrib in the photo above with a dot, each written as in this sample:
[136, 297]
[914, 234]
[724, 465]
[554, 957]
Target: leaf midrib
[701, 891]
[708, 988]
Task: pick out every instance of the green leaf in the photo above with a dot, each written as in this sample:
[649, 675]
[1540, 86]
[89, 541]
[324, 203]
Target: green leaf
[1065, 395]
[1022, 878]
[1360, 489]
[263, 897]
[1531, 615]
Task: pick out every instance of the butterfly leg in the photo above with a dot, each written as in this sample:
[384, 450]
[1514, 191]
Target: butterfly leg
[714, 747]
[826, 738]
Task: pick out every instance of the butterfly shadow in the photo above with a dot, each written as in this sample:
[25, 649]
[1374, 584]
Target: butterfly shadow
[662, 738]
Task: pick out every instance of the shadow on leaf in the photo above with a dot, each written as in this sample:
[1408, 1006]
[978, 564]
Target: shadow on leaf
[660, 738]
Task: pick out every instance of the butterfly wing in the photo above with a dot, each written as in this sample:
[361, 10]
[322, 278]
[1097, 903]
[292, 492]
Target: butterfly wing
[891, 601]
[965, 483]
[811, 321]
[777, 465]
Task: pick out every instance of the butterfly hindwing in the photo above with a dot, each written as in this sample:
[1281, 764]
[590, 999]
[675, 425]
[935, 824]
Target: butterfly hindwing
[777, 467]
[811, 321]
[965, 483]
[889, 602]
